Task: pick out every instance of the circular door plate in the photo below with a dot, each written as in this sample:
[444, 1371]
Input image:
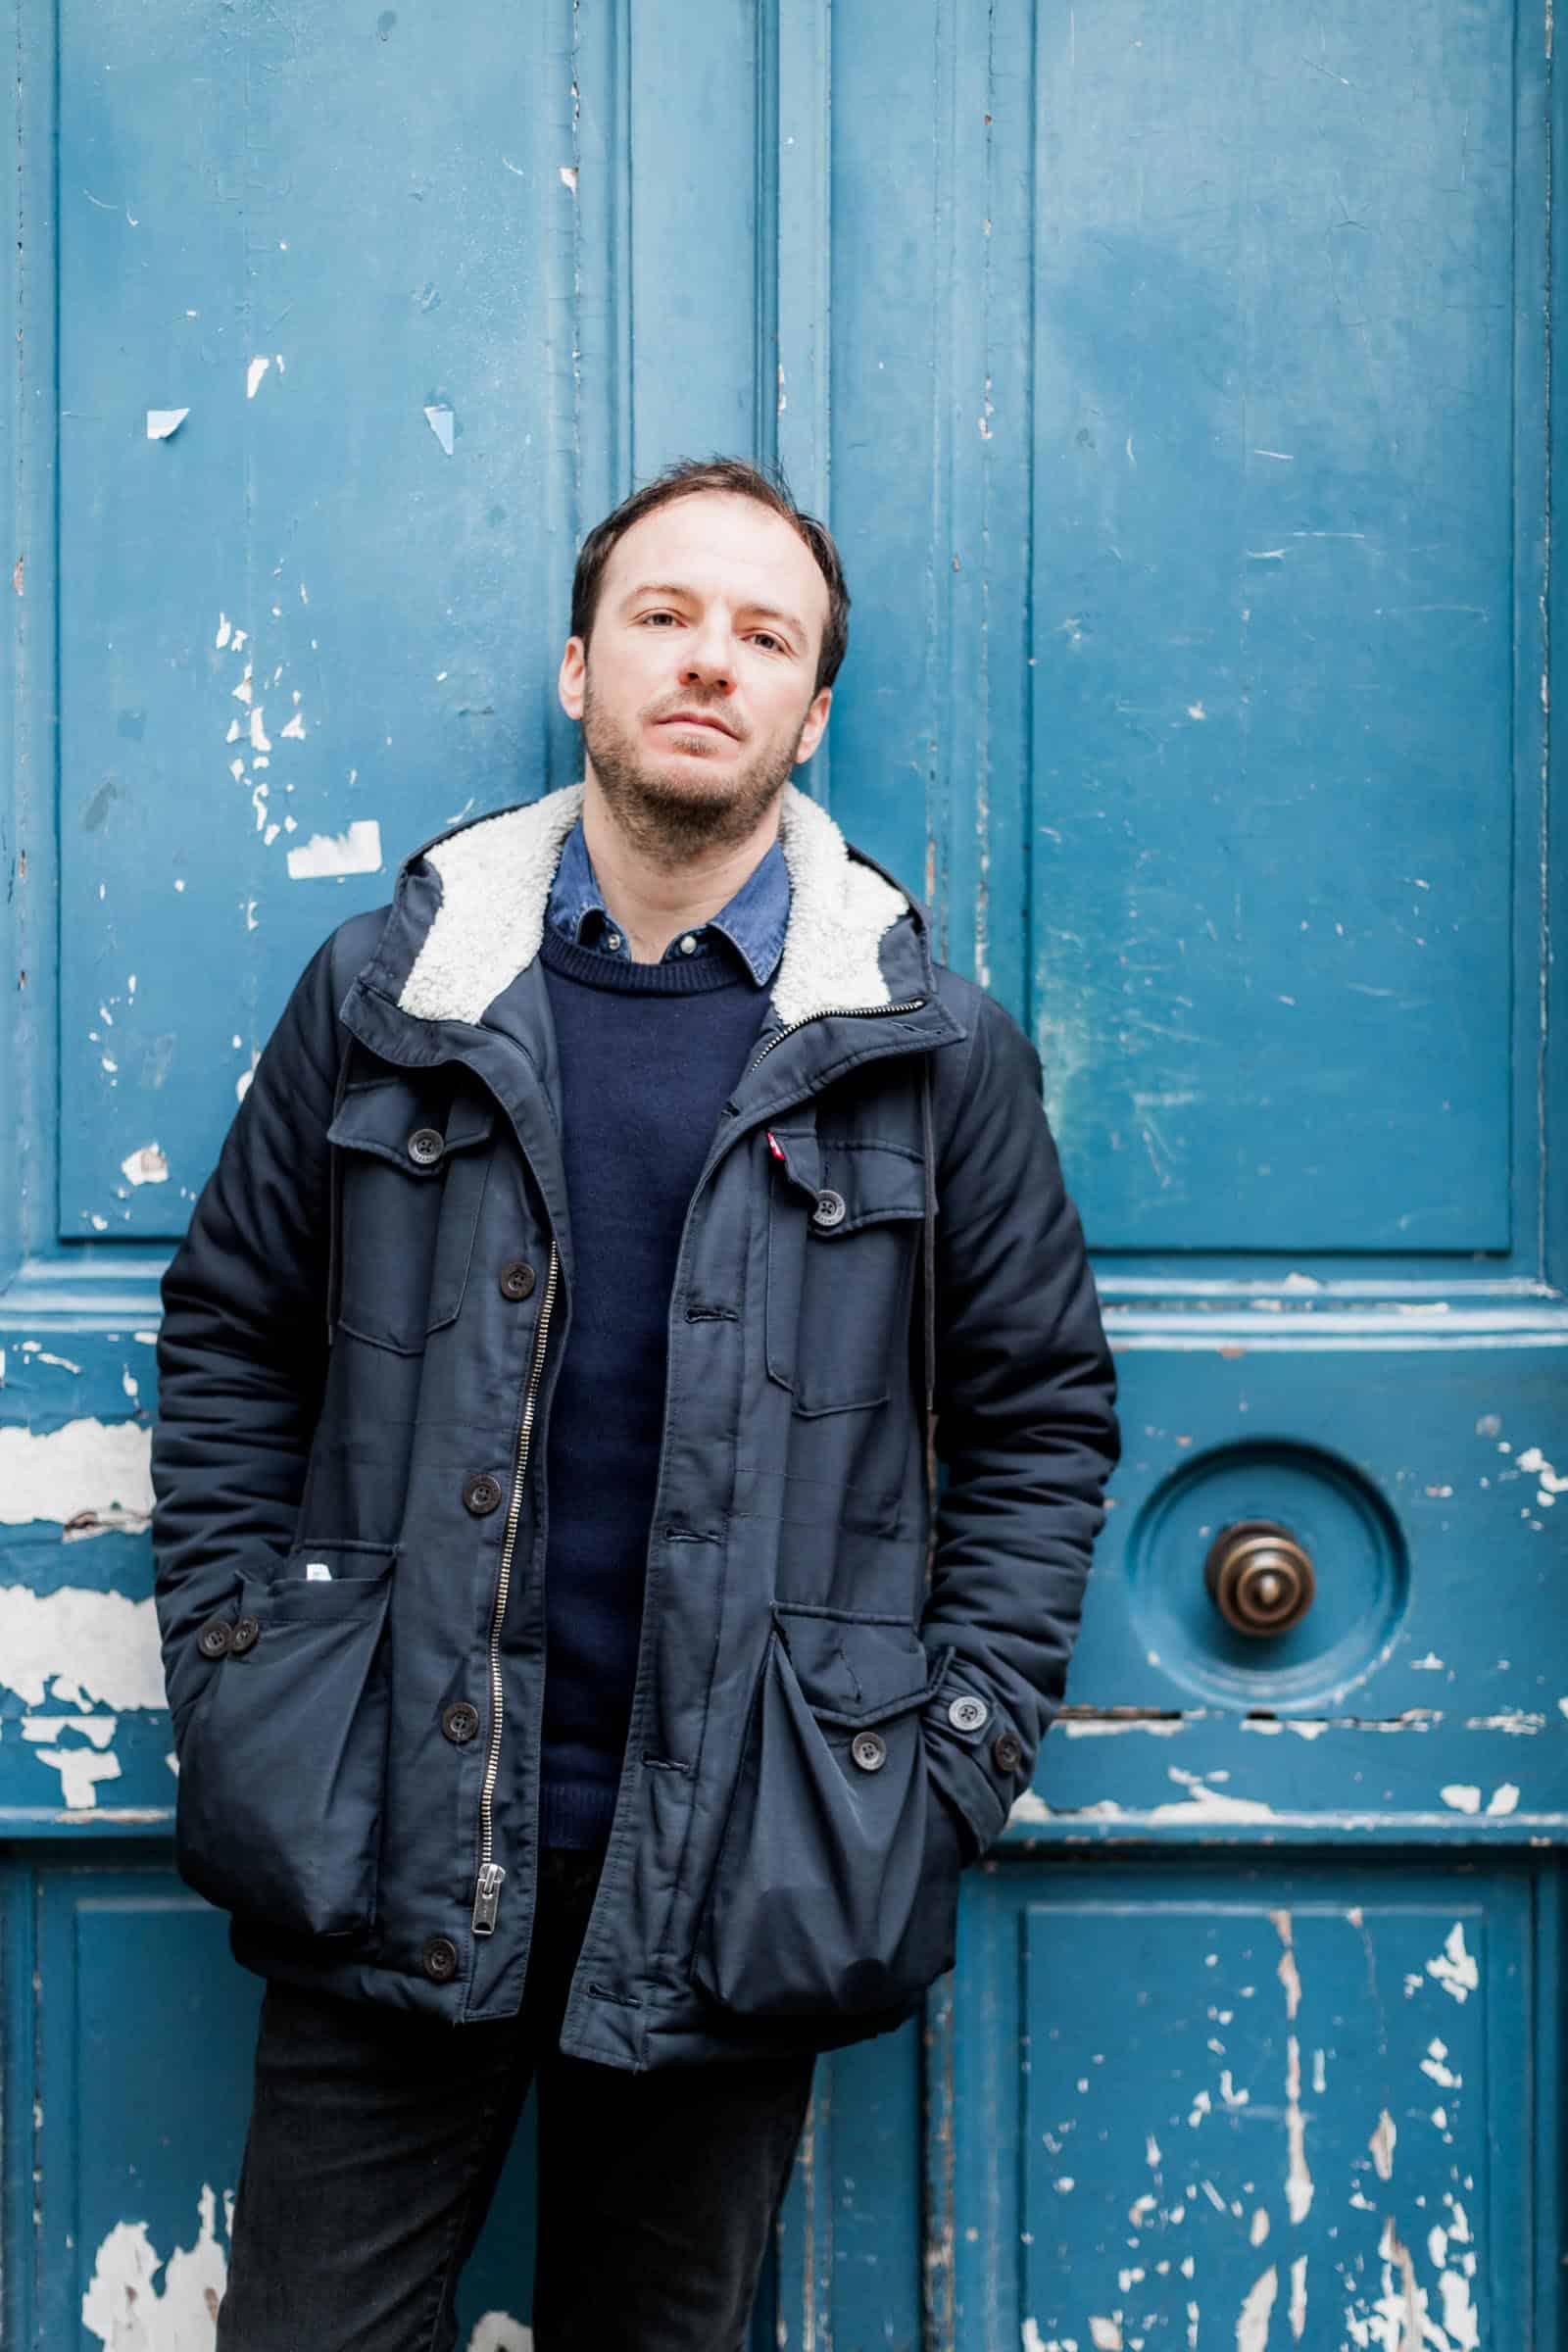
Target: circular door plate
[1338, 1519]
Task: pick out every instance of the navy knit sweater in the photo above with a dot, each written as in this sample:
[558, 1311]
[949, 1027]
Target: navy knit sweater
[649, 1055]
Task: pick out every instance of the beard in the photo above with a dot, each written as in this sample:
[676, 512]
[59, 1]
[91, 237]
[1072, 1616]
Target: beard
[670, 813]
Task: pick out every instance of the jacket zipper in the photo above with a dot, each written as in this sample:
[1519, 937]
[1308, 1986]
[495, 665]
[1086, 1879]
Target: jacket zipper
[492, 1876]
[487, 1892]
[836, 1012]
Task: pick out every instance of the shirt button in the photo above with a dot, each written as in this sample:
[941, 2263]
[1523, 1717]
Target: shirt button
[460, 1723]
[613, 941]
[869, 1750]
[481, 1492]
[829, 1211]
[688, 943]
[440, 1960]
[245, 1637]
[425, 1147]
[215, 1637]
[968, 1714]
[517, 1279]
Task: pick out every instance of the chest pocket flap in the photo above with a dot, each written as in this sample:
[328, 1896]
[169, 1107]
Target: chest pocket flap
[843, 1233]
[411, 1176]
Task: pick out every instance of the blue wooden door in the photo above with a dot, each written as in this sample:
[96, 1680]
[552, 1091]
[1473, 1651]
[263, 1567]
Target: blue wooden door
[1178, 386]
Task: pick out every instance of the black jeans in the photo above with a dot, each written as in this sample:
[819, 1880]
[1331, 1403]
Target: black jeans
[377, 2138]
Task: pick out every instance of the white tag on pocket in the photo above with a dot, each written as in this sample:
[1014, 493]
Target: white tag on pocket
[317, 1572]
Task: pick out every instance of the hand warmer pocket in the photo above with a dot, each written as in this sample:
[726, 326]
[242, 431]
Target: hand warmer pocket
[835, 1891]
[283, 1759]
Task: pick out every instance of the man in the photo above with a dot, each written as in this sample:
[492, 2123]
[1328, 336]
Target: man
[554, 1643]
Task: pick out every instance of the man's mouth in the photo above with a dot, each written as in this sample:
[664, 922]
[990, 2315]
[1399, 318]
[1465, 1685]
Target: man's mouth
[692, 719]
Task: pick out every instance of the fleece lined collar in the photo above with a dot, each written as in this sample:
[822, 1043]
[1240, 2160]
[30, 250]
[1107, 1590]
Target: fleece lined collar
[495, 875]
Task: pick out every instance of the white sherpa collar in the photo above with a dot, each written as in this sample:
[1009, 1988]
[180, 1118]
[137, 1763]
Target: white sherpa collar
[495, 886]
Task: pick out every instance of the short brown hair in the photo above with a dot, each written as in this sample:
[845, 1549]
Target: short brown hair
[684, 479]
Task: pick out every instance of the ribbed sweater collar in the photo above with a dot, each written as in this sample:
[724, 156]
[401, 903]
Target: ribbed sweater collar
[689, 976]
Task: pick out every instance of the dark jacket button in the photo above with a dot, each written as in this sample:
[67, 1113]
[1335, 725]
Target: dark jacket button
[245, 1637]
[215, 1637]
[1007, 1753]
[427, 1146]
[869, 1750]
[459, 1722]
[517, 1279]
[829, 1210]
[481, 1492]
[440, 1960]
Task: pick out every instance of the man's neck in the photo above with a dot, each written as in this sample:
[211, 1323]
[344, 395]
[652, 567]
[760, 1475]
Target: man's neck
[653, 903]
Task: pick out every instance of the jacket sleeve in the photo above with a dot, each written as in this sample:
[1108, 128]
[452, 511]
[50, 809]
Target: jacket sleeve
[242, 1347]
[1026, 1427]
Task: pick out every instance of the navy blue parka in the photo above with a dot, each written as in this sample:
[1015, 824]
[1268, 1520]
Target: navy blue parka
[360, 1333]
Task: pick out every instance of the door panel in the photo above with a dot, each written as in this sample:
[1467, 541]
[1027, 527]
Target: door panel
[1277, 417]
[344, 251]
[1280, 2104]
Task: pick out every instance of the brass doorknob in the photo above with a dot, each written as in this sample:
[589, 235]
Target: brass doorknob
[1259, 1576]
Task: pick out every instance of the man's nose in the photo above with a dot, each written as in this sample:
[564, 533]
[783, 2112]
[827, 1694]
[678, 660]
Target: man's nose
[708, 663]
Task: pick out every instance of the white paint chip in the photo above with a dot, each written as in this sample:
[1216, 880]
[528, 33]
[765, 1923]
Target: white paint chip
[81, 1769]
[1461, 1796]
[83, 1466]
[255, 372]
[163, 423]
[499, 2331]
[1203, 1803]
[1297, 2174]
[358, 851]
[440, 421]
[568, 177]
[1298, 2297]
[82, 1648]
[1287, 1972]
[1252, 2322]
[1504, 1798]
[1533, 1460]
[128, 2312]
[1454, 1968]
[145, 1165]
[1381, 2143]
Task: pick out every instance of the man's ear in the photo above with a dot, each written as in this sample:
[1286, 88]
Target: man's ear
[573, 673]
[815, 721]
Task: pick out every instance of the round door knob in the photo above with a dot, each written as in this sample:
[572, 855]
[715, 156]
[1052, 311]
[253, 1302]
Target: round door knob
[1259, 1576]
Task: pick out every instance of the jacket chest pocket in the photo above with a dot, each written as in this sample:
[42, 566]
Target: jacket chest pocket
[411, 1169]
[845, 1222]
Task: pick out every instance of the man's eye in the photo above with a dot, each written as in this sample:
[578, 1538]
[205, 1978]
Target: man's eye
[765, 637]
[659, 616]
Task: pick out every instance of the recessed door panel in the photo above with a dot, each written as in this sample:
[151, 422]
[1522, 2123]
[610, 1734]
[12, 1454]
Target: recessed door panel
[1279, 544]
[1254, 2105]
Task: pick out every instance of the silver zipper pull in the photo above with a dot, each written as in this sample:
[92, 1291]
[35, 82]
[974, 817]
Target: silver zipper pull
[487, 1899]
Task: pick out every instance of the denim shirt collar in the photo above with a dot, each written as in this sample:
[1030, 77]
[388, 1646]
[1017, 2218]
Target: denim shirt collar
[752, 924]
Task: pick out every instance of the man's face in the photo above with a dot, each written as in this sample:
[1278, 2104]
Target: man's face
[696, 692]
